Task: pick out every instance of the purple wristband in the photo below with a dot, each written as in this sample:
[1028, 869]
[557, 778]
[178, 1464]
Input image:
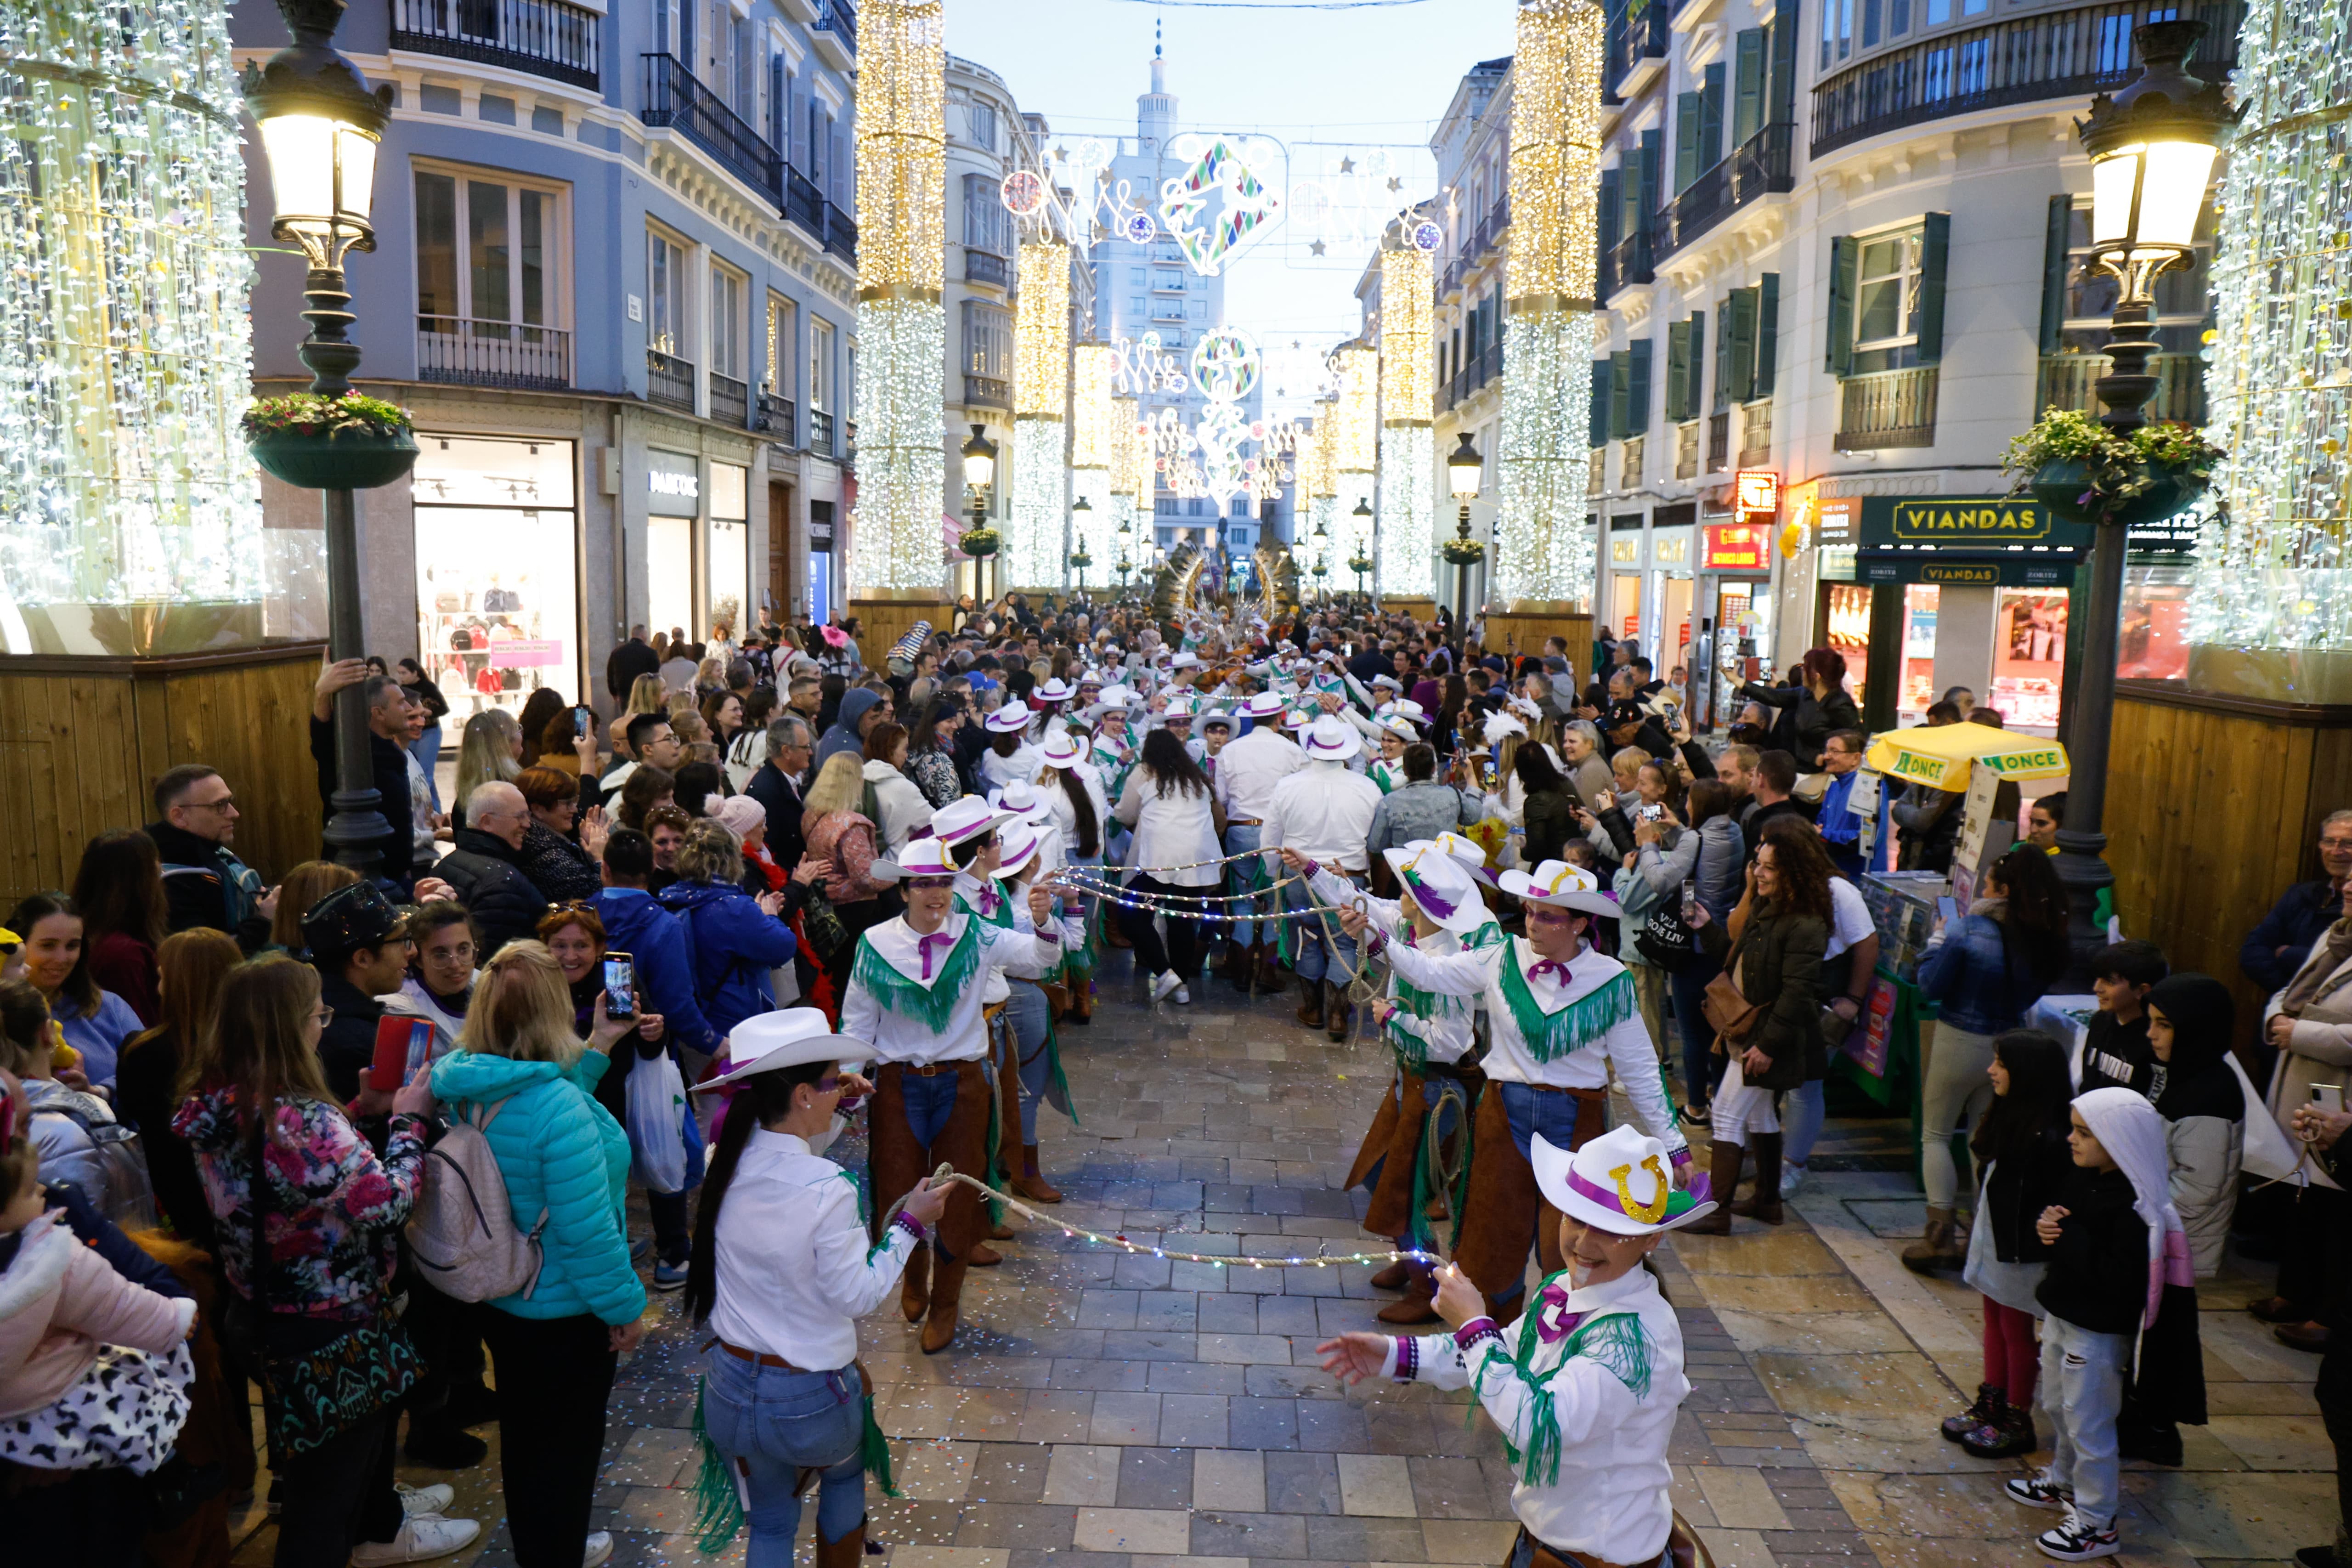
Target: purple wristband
[1476, 1329]
[1408, 1358]
[911, 1225]
[1681, 1156]
[1312, 868]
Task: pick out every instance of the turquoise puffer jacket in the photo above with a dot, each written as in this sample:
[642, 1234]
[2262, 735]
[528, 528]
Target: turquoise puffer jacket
[560, 1151]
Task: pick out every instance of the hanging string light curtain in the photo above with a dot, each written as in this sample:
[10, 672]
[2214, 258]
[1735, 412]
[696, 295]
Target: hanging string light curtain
[1095, 438]
[901, 323]
[1041, 400]
[1543, 555]
[125, 357]
[1407, 552]
[1353, 444]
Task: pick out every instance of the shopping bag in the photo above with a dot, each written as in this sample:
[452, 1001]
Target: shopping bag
[657, 1106]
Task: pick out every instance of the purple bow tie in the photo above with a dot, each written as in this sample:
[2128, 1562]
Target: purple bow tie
[1554, 1322]
[988, 901]
[1553, 966]
[923, 946]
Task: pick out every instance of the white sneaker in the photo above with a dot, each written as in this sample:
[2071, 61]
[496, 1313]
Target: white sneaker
[432, 1499]
[1183, 995]
[1167, 985]
[1792, 1178]
[600, 1547]
[421, 1536]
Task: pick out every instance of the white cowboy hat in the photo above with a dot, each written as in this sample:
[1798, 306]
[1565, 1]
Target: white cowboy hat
[1388, 682]
[1403, 728]
[1330, 738]
[1186, 660]
[1263, 705]
[1219, 717]
[789, 1038]
[1064, 748]
[1402, 707]
[1021, 803]
[1012, 719]
[1441, 885]
[1020, 846]
[920, 858]
[964, 818]
[1563, 887]
[1057, 690]
[1111, 699]
[1463, 849]
[1621, 1182]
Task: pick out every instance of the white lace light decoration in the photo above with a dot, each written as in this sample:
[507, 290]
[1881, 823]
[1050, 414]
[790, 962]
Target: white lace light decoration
[901, 323]
[1542, 555]
[125, 355]
[1036, 555]
[1355, 418]
[1407, 554]
[2274, 571]
[1094, 438]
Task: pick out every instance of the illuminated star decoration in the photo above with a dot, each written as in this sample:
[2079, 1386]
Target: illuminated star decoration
[1346, 165]
[1317, 247]
[1395, 183]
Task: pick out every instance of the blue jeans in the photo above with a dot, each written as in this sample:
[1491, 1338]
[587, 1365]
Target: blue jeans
[1534, 1111]
[427, 750]
[1800, 1119]
[2082, 1392]
[778, 1423]
[1031, 1017]
[1244, 874]
[929, 1102]
[1689, 988]
[1313, 960]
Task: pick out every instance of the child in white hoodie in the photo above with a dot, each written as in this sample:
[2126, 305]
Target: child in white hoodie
[94, 1370]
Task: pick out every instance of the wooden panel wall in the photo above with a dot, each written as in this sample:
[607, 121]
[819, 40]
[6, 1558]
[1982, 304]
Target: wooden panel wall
[882, 622]
[2213, 806]
[81, 742]
[1529, 630]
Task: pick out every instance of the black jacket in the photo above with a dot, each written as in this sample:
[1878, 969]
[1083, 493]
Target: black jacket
[347, 1045]
[2275, 949]
[1806, 721]
[1752, 826]
[146, 1093]
[628, 661]
[2097, 1277]
[388, 772]
[206, 887]
[557, 867]
[777, 795]
[490, 882]
[2117, 1056]
[2020, 1188]
[1779, 969]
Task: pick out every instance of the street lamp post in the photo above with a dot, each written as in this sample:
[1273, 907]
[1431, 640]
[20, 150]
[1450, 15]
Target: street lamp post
[2151, 148]
[1465, 469]
[1081, 513]
[320, 129]
[979, 474]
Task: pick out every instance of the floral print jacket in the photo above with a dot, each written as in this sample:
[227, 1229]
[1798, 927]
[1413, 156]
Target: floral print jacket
[335, 1206]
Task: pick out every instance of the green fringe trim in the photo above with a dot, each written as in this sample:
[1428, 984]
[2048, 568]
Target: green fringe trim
[1537, 1463]
[717, 1504]
[1615, 1341]
[1469, 1153]
[1551, 1035]
[1060, 1083]
[930, 1006]
[1430, 1175]
[1667, 1089]
[1483, 937]
[874, 1453]
[1001, 919]
[993, 1204]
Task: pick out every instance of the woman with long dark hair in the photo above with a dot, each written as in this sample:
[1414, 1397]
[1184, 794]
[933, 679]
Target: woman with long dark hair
[95, 1021]
[1986, 970]
[931, 750]
[1547, 808]
[124, 914]
[190, 967]
[1811, 712]
[779, 1274]
[1174, 854]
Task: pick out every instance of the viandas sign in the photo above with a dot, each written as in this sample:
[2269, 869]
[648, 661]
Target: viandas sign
[1968, 523]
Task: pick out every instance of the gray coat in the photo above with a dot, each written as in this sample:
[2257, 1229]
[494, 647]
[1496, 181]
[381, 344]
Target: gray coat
[1714, 854]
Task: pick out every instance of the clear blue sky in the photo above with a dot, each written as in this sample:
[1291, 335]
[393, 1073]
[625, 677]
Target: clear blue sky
[1329, 84]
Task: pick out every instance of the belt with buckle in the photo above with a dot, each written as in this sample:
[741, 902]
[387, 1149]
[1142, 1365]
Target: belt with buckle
[756, 1358]
[1244, 822]
[930, 1070]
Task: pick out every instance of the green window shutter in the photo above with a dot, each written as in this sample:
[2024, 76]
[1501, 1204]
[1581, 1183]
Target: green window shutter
[1740, 334]
[1748, 86]
[1686, 122]
[1723, 353]
[1935, 246]
[1845, 258]
[1710, 118]
[1781, 97]
[1620, 384]
[2054, 272]
[1612, 205]
[1767, 334]
[1677, 370]
[1654, 162]
[1598, 417]
[1695, 396]
[1637, 388]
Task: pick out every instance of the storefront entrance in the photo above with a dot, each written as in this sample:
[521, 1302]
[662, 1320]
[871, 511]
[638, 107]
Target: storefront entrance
[497, 595]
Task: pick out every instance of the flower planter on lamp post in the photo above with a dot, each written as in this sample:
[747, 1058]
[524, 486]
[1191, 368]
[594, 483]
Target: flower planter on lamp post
[1466, 470]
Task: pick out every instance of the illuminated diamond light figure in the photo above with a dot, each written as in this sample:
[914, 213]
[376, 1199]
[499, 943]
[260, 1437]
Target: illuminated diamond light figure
[1249, 205]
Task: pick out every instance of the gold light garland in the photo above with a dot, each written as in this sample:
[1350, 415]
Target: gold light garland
[1355, 418]
[1036, 556]
[1407, 553]
[1549, 277]
[1094, 414]
[901, 323]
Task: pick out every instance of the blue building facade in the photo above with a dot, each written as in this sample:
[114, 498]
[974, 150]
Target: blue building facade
[615, 283]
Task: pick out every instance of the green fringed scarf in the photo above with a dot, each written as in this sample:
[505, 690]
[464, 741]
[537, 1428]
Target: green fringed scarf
[931, 1005]
[1551, 1035]
[1615, 1340]
[1001, 919]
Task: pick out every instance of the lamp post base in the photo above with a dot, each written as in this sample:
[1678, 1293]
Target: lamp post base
[2083, 872]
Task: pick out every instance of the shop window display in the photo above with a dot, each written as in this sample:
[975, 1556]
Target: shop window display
[2029, 656]
[1848, 630]
[497, 589]
[2155, 640]
[1920, 603]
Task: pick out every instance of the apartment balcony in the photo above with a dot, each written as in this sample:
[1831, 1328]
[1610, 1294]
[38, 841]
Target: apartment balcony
[1756, 435]
[777, 417]
[821, 432]
[835, 34]
[2064, 55]
[1627, 263]
[1593, 466]
[1718, 441]
[840, 235]
[987, 392]
[980, 267]
[1629, 463]
[676, 100]
[1759, 165]
[1456, 272]
[1686, 450]
[669, 381]
[543, 37]
[1498, 226]
[2065, 380]
[1635, 50]
[730, 401]
[1887, 409]
[1488, 365]
[459, 351]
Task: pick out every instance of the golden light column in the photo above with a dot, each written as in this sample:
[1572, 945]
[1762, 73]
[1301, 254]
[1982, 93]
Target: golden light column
[1407, 552]
[1041, 401]
[901, 322]
[1352, 446]
[1131, 484]
[1542, 558]
[1094, 440]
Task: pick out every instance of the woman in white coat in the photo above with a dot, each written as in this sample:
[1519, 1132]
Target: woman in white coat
[1175, 853]
[2309, 1022]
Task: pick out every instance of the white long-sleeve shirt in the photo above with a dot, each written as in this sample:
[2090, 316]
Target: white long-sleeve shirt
[1249, 769]
[899, 1036]
[1324, 813]
[1489, 973]
[1612, 1405]
[1444, 1035]
[794, 1272]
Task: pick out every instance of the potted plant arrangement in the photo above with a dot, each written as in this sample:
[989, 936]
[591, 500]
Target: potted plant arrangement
[349, 443]
[977, 543]
[1080, 560]
[2084, 472]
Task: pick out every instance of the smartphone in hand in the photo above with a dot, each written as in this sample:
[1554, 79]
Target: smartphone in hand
[402, 1046]
[620, 985]
[2329, 1098]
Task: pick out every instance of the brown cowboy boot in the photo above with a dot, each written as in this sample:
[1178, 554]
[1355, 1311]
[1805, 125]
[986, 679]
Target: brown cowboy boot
[1239, 961]
[1082, 1002]
[1031, 1184]
[1723, 1178]
[1395, 1277]
[1939, 1249]
[1419, 1303]
[848, 1552]
[1310, 1011]
[1270, 973]
[1335, 1011]
[1764, 1202]
[915, 1284]
[947, 1307]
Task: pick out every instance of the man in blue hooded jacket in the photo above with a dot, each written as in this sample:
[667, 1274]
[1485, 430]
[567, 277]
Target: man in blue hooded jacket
[860, 710]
